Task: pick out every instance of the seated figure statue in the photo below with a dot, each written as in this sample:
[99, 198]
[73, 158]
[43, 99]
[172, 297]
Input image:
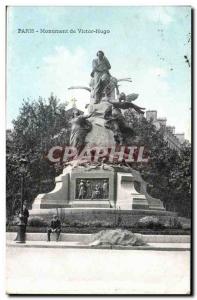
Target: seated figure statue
[100, 74]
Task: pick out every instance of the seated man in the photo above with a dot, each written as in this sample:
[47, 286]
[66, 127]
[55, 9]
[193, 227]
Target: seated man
[55, 226]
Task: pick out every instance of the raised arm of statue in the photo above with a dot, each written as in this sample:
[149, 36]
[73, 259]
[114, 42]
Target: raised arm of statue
[94, 64]
[107, 63]
[80, 88]
[90, 114]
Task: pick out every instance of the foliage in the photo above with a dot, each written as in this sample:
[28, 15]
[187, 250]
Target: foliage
[168, 172]
[149, 222]
[39, 126]
[174, 223]
[36, 222]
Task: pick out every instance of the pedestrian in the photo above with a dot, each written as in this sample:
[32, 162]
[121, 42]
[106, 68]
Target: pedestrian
[25, 214]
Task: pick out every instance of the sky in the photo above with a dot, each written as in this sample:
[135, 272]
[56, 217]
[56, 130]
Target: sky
[147, 44]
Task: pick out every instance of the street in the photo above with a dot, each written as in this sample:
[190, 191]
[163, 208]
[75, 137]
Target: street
[96, 271]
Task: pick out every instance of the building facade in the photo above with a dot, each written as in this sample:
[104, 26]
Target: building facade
[174, 140]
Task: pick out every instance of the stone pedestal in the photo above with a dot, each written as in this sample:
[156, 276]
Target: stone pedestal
[99, 135]
[66, 192]
[127, 196]
[153, 203]
[90, 204]
[59, 197]
[119, 192]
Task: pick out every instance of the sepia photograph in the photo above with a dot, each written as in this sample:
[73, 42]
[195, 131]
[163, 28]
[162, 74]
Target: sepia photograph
[98, 150]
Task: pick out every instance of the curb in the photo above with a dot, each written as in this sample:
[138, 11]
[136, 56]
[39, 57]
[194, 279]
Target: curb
[60, 246]
[87, 238]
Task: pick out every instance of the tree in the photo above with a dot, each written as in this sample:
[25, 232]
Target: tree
[36, 130]
[180, 181]
[168, 172]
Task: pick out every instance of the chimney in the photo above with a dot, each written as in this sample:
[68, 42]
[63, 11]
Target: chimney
[171, 129]
[162, 121]
[180, 137]
[151, 115]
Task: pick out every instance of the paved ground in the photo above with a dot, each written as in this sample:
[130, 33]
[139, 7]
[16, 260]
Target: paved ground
[45, 270]
[71, 244]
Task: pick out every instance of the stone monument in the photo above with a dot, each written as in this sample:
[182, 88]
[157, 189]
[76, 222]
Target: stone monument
[90, 189]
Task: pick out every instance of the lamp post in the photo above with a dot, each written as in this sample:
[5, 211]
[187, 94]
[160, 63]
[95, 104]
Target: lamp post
[20, 238]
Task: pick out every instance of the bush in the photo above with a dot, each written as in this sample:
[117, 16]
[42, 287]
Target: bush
[174, 223]
[93, 223]
[37, 222]
[14, 221]
[150, 223]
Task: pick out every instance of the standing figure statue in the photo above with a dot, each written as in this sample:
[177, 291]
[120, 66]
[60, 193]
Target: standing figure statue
[80, 127]
[105, 189]
[82, 190]
[100, 74]
[88, 190]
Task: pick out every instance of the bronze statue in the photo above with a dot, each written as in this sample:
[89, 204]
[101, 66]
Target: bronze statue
[125, 102]
[82, 190]
[80, 126]
[115, 119]
[105, 189]
[110, 91]
[105, 87]
[96, 192]
[88, 189]
[117, 123]
[100, 74]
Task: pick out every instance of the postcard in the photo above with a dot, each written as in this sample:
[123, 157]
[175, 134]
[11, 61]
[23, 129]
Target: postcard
[98, 150]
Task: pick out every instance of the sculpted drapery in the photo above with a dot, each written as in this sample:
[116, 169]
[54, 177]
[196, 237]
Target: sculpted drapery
[100, 74]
